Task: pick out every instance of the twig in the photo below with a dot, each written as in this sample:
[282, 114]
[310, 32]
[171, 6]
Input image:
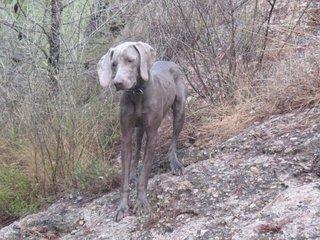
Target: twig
[67, 4]
[31, 20]
[264, 46]
[18, 30]
[292, 30]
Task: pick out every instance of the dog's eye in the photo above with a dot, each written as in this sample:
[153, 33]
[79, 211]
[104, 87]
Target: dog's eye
[129, 60]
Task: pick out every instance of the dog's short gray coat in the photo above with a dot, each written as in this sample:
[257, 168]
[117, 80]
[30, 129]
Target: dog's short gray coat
[150, 89]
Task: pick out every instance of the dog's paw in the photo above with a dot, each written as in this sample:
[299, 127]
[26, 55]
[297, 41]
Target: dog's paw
[122, 212]
[134, 176]
[142, 206]
[176, 168]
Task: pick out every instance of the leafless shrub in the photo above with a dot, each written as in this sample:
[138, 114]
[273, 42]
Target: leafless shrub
[213, 40]
[63, 140]
[224, 47]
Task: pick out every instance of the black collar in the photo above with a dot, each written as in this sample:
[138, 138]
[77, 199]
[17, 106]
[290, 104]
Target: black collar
[138, 89]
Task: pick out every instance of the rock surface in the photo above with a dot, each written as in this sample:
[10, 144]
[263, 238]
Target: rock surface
[261, 184]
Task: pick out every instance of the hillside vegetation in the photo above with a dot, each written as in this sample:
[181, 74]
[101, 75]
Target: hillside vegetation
[59, 132]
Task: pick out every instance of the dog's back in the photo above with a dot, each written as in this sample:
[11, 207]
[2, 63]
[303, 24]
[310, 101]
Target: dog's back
[166, 82]
[168, 71]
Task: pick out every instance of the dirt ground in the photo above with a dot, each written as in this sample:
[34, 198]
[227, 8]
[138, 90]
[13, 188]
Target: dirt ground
[261, 184]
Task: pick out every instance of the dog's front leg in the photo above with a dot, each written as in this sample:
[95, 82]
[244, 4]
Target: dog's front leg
[127, 128]
[142, 204]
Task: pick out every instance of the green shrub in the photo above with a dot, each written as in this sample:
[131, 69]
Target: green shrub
[95, 176]
[17, 192]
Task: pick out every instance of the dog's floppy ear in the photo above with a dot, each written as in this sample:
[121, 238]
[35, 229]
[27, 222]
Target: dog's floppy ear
[147, 57]
[104, 68]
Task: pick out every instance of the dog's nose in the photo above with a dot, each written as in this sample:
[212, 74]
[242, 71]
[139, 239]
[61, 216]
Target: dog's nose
[118, 85]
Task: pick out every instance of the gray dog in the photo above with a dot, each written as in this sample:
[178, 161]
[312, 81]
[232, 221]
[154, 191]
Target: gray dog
[150, 90]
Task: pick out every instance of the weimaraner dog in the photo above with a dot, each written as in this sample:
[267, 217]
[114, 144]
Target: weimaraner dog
[150, 89]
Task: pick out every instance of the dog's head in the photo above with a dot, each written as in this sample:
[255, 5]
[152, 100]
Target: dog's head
[124, 63]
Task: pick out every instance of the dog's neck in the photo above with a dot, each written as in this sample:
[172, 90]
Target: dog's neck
[138, 88]
[136, 95]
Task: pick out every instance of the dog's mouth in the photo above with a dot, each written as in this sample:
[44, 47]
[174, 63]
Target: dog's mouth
[123, 87]
[120, 87]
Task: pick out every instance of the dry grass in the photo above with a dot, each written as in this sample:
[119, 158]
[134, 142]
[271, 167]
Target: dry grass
[235, 89]
[282, 93]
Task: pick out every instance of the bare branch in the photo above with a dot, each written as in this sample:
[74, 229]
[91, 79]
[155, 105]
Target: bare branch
[31, 20]
[264, 45]
[67, 4]
[19, 29]
[297, 23]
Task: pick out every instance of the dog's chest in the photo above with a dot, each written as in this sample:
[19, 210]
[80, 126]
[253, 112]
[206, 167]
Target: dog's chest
[138, 109]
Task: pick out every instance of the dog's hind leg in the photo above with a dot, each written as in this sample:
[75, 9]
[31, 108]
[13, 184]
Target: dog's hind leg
[178, 108]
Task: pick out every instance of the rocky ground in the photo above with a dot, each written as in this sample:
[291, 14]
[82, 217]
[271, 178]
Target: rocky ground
[261, 184]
